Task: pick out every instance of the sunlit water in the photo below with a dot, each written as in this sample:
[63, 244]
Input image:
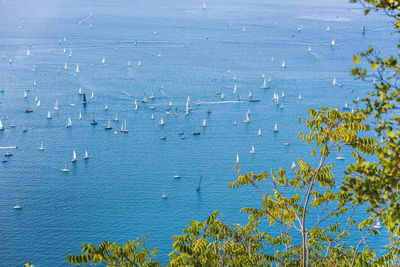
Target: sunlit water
[184, 51]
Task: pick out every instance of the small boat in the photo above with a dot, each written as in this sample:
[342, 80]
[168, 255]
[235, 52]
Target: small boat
[64, 51]
[116, 117]
[152, 95]
[276, 128]
[196, 133]
[235, 89]
[377, 225]
[309, 49]
[152, 117]
[333, 43]
[106, 108]
[259, 132]
[252, 151]
[254, 100]
[176, 176]
[247, 120]
[328, 29]
[65, 169]
[70, 52]
[198, 187]
[300, 97]
[36, 99]
[139, 63]
[180, 133]
[28, 110]
[283, 64]
[235, 123]
[129, 63]
[7, 154]
[34, 83]
[272, 59]
[73, 156]
[264, 85]
[38, 104]
[339, 158]
[144, 100]
[17, 207]
[80, 91]
[65, 66]
[346, 106]
[69, 123]
[77, 68]
[204, 123]
[123, 127]
[293, 165]
[34, 68]
[28, 53]
[92, 95]
[163, 138]
[164, 196]
[56, 105]
[103, 61]
[161, 122]
[80, 116]
[94, 122]
[1, 126]
[334, 81]
[135, 105]
[41, 146]
[86, 155]
[108, 127]
[286, 143]
[243, 29]
[25, 94]
[222, 95]
[237, 158]
[208, 111]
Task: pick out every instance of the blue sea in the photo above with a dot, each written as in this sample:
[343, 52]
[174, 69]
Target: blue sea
[179, 50]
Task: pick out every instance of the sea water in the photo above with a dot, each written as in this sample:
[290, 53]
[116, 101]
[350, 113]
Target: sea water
[184, 51]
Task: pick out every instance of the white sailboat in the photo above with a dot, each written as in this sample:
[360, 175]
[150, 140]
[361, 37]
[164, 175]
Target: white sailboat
[129, 63]
[204, 5]
[309, 49]
[139, 63]
[300, 96]
[25, 94]
[272, 59]
[48, 115]
[293, 165]
[334, 81]
[34, 83]
[77, 68]
[123, 127]
[34, 68]
[36, 99]
[152, 95]
[70, 52]
[283, 64]
[264, 85]
[328, 29]
[377, 224]
[69, 123]
[164, 196]
[235, 89]
[65, 169]
[234, 123]
[80, 116]
[38, 104]
[346, 106]
[41, 146]
[204, 123]
[237, 158]
[152, 117]
[65, 66]
[92, 95]
[65, 51]
[86, 155]
[333, 43]
[28, 53]
[259, 132]
[222, 95]
[56, 105]
[80, 91]
[103, 61]
[161, 122]
[116, 117]
[276, 127]
[1, 126]
[73, 156]
[106, 107]
[247, 120]
[252, 151]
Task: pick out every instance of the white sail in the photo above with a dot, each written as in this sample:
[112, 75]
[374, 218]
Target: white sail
[38, 104]
[103, 61]
[69, 123]
[237, 158]
[65, 66]
[204, 123]
[139, 63]
[92, 95]
[293, 165]
[152, 116]
[300, 97]
[235, 89]
[1, 125]
[70, 52]
[86, 155]
[276, 127]
[334, 81]
[73, 156]
[116, 117]
[259, 132]
[252, 151]
[48, 115]
[161, 121]
[129, 63]
[247, 120]
[80, 91]
[41, 146]
[25, 94]
[106, 107]
[333, 43]
[65, 51]
[170, 103]
[309, 49]
[283, 64]
[28, 53]
[56, 105]
[204, 5]
[222, 95]
[77, 68]
[34, 83]
[272, 59]
[80, 116]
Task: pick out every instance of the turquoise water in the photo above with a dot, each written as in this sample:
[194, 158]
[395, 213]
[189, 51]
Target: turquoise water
[116, 194]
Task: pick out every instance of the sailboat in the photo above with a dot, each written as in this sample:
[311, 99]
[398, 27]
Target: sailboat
[222, 95]
[70, 52]
[1, 126]
[346, 106]
[152, 117]
[34, 68]
[65, 51]
[105, 107]
[198, 187]
[38, 104]
[161, 122]
[94, 122]
[139, 63]
[334, 81]
[28, 53]
[80, 91]
[235, 89]
[65, 169]
[69, 123]
[377, 224]
[65, 66]
[164, 196]
[283, 64]
[204, 5]
[129, 63]
[73, 156]
[34, 83]
[272, 59]
[56, 105]
[247, 120]
[92, 95]
[300, 96]
[328, 29]
[333, 43]
[276, 127]
[77, 68]
[123, 127]
[108, 127]
[252, 151]
[234, 123]
[363, 30]
[17, 207]
[152, 95]
[25, 94]
[41, 146]
[264, 85]
[86, 155]
[144, 100]
[204, 123]
[36, 99]
[237, 158]
[259, 132]
[135, 105]
[309, 49]
[80, 116]
[340, 157]
[48, 115]
[84, 99]
[103, 61]
[116, 117]
[293, 165]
